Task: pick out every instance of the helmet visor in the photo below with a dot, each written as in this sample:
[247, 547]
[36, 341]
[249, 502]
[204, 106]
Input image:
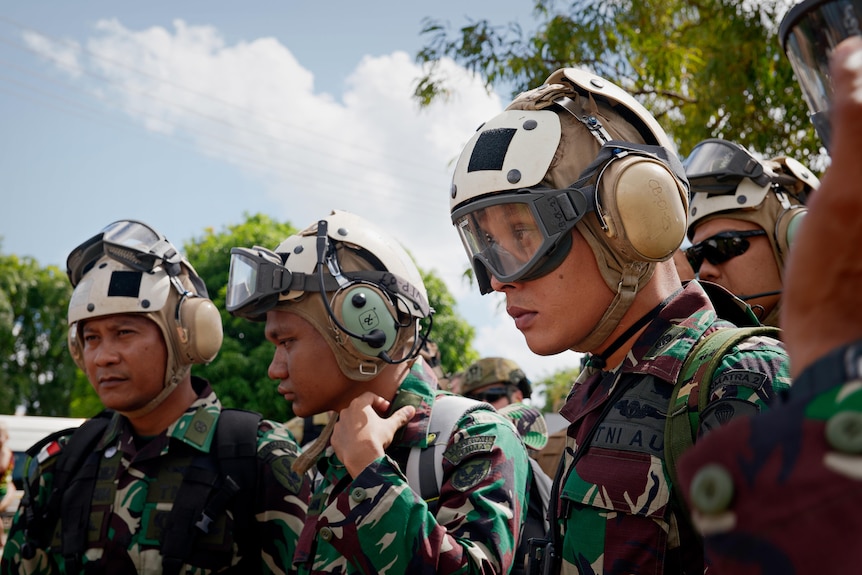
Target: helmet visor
[132, 243]
[256, 279]
[718, 166]
[512, 235]
[809, 32]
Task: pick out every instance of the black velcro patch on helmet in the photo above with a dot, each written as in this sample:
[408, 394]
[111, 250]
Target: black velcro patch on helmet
[490, 150]
[125, 284]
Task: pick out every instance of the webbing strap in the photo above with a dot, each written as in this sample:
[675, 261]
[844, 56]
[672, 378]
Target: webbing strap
[682, 421]
[425, 466]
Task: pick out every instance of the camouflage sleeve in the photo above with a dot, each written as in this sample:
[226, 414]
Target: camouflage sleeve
[283, 497]
[379, 524]
[39, 486]
[779, 492]
[747, 381]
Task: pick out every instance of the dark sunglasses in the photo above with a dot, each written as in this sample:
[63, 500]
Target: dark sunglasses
[490, 395]
[720, 248]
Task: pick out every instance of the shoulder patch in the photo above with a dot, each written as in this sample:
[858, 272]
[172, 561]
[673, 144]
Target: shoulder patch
[470, 474]
[469, 446]
[722, 411]
[736, 377]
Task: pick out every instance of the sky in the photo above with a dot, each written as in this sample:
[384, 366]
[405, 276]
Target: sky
[190, 115]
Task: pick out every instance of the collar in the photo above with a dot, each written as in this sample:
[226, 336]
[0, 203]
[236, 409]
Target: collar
[662, 348]
[196, 427]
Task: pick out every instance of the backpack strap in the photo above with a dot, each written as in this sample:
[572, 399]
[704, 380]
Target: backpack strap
[209, 486]
[41, 520]
[682, 423]
[425, 466]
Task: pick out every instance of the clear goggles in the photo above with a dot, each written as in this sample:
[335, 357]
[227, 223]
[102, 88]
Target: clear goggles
[718, 166]
[513, 234]
[132, 243]
[257, 277]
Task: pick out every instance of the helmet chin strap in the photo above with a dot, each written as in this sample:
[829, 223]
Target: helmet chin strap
[626, 292]
[170, 387]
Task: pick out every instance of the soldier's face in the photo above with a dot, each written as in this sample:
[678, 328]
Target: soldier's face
[752, 272]
[305, 366]
[125, 358]
[558, 310]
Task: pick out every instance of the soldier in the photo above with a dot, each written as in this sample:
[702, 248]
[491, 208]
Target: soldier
[572, 203]
[348, 313]
[743, 216]
[503, 384]
[779, 493]
[164, 480]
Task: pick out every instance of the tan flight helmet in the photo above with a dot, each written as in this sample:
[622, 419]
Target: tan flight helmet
[370, 303]
[771, 194]
[176, 302]
[628, 199]
[499, 370]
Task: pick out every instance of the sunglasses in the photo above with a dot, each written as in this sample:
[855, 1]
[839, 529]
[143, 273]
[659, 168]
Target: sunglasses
[490, 395]
[720, 248]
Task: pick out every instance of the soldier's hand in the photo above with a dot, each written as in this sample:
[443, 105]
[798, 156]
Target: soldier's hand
[821, 309]
[362, 434]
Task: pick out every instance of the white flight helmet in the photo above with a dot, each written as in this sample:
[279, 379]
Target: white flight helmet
[358, 287]
[727, 181]
[131, 268]
[576, 152]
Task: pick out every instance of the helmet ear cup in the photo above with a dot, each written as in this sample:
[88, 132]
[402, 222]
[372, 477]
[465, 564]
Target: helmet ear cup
[366, 310]
[199, 329]
[643, 207]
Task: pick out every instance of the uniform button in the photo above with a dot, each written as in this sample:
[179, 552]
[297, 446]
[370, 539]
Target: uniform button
[358, 494]
[326, 533]
[844, 431]
[712, 489]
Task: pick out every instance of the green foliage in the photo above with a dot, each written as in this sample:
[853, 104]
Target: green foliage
[556, 387]
[705, 69]
[452, 333]
[35, 366]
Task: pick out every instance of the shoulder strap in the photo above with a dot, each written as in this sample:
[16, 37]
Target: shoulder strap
[77, 460]
[202, 498]
[425, 466]
[682, 422]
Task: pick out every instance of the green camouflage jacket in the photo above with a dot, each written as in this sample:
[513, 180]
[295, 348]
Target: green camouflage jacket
[780, 493]
[375, 523]
[616, 511]
[136, 486]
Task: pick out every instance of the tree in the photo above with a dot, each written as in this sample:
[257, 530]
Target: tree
[38, 373]
[452, 333]
[556, 387]
[704, 68]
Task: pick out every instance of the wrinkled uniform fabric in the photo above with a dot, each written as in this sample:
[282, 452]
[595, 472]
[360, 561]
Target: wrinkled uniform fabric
[128, 541]
[375, 523]
[796, 476]
[617, 513]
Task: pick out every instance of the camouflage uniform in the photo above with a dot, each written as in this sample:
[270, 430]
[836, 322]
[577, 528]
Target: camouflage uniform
[134, 510]
[778, 493]
[375, 523]
[616, 510]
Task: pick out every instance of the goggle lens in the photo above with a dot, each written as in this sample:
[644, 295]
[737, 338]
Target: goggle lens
[720, 248]
[506, 237]
[132, 243]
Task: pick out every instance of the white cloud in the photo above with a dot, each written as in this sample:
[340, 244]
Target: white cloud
[373, 151]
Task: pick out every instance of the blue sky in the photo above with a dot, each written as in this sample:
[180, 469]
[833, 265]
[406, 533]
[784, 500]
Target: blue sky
[187, 115]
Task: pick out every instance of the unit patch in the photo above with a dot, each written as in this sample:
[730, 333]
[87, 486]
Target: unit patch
[469, 446]
[470, 474]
